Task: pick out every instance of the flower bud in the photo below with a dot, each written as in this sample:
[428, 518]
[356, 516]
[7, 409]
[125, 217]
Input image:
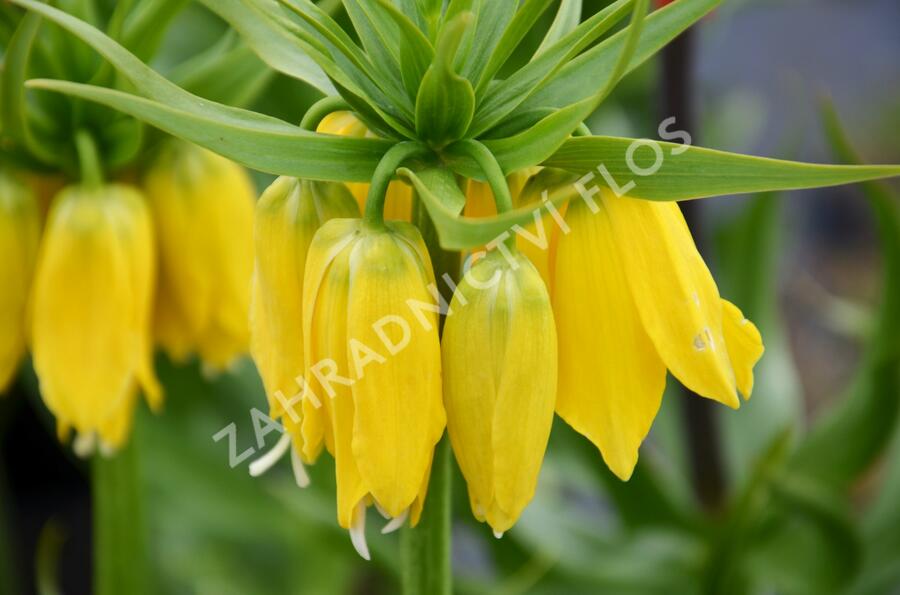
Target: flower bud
[91, 313]
[370, 327]
[202, 206]
[19, 234]
[500, 374]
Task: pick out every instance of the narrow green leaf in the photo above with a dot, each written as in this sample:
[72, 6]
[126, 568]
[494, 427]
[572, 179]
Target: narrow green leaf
[440, 194]
[567, 18]
[504, 97]
[446, 101]
[378, 34]
[416, 52]
[282, 150]
[274, 45]
[491, 20]
[233, 75]
[14, 120]
[695, 172]
[587, 73]
[146, 24]
[521, 23]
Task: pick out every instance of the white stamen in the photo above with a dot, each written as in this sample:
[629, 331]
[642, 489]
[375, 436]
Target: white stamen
[107, 451]
[699, 343]
[265, 462]
[498, 534]
[395, 523]
[300, 474]
[358, 531]
[84, 445]
[382, 511]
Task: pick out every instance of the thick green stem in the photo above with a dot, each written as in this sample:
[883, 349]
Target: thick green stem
[120, 561]
[426, 549]
[320, 109]
[383, 175]
[88, 159]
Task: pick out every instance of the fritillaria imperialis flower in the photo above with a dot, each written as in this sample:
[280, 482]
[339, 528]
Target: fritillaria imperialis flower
[633, 298]
[288, 214]
[92, 297]
[370, 331]
[19, 234]
[500, 364]
[202, 206]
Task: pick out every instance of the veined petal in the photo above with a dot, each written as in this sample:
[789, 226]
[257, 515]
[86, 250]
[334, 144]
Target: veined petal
[19, 234]
[745, 346]
[327, 341]
[397, 393]
[677, 298]
[611, 379]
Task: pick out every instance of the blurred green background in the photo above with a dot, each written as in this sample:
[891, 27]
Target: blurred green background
[805, 478]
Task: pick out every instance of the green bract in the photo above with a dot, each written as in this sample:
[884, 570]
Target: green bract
[434, 74]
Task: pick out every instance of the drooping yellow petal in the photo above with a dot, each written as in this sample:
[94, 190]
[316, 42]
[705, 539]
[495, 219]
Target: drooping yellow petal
[677, 298]
[328, 355]
[611, 379]
[19, 234]
[500, 363]
[745, 346]
[89, 321]
[396, 393]
[203, 209]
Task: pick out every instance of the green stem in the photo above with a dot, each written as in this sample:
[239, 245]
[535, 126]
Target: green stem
[120, 561]
[88, 159]
[383, 175]
[425, 550]
[320, 109]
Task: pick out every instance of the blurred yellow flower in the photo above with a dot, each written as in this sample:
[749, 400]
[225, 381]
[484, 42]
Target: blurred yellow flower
[373, 362]
[19, 235]
[91, 313]
[399, 198]
[500, 368]
[202, 207]
[633, 298]
[287, 216]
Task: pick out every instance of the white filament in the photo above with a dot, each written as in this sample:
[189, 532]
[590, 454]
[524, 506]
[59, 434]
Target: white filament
[358, 531]
[395, 523]
[498, 534]
[265, 462]
[84, 445]
[300, 474]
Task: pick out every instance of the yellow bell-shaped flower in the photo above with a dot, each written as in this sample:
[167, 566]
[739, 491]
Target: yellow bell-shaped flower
[202, 206]
[288, 214]
[500, 367]
[19, 234]
[92, 302]
[373, 362]
[633, 298]
[399, 198]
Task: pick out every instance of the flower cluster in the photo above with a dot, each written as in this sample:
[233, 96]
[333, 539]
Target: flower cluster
[117, 269]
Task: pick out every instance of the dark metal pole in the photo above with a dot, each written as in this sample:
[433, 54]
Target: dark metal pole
[700, 422]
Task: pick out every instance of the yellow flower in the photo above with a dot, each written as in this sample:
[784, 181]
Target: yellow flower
[633, 298]
[370, 329]
[202, 206]
[500, 365]
[91, 314]
[287, 216]
[399, 198]
[19, 235]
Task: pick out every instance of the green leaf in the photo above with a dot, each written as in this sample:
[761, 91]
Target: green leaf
[277, 149]
[416, 53]
[14, 120]
[491, 20]
[567, 18]
[230, 75]
[438, 190]
[583, 76]
[521, 23]
[505, 96]
[446, 101]
[696, 172]
[146, 25]
[274, 45]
